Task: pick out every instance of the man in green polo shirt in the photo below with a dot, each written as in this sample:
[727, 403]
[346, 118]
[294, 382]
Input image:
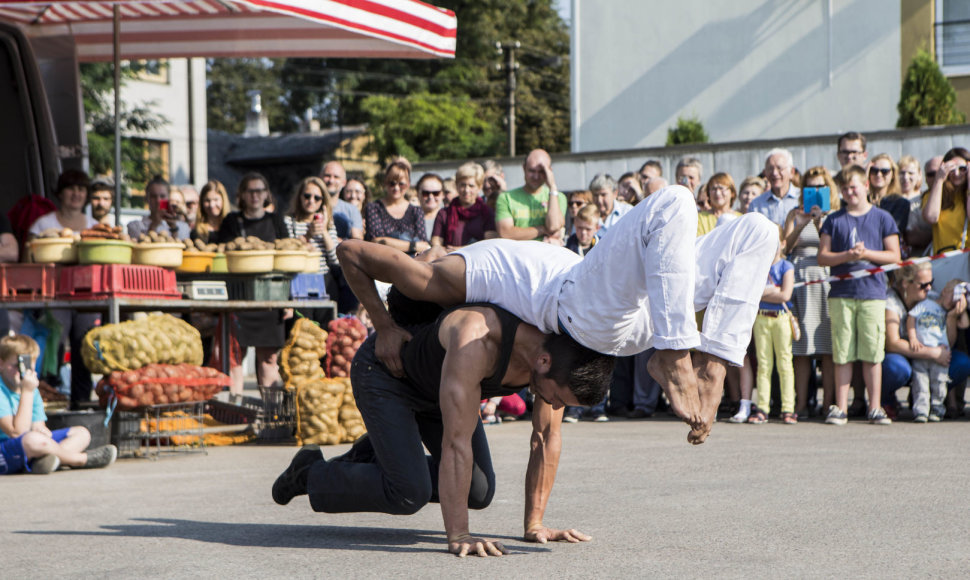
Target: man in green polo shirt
[529, 212]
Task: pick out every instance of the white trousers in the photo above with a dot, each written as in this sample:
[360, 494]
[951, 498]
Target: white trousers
[641, 284]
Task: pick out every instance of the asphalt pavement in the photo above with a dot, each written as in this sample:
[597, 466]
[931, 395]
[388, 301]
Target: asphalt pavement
[809, 500]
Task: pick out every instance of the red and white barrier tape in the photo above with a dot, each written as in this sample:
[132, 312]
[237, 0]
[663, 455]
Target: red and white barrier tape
[887, 268]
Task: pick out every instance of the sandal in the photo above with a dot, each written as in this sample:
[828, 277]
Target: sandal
[789, 418]
[757, 417]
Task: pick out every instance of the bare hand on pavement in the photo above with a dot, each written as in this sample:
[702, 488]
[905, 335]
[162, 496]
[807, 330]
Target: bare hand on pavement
[467, 544]
[542, 534]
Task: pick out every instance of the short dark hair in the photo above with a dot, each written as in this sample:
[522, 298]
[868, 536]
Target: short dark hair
[651, 163]
[72, 178]
[157, 180]
[584, 371]
[407, 312]
[852, 136]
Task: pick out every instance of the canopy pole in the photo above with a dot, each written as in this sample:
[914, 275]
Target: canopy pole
[117, 82]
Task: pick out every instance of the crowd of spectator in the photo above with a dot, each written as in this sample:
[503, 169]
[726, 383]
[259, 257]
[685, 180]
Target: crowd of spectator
[817, 345]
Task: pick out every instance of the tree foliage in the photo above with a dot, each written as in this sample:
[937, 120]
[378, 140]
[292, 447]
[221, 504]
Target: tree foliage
[97, 89]
[927, 97]
[343, 92]
[426, 126]
[686, 131]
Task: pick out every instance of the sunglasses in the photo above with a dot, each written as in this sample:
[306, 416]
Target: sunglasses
[310, 196]
[577, 203]
[885, 171]
[434, 193]
[926, 285]
[849, 153]
[960, 169]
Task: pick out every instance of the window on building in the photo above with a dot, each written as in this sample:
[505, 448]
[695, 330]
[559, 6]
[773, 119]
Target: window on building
[953, 36]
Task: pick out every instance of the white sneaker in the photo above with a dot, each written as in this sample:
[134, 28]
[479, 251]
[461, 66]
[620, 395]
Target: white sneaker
[739, 418]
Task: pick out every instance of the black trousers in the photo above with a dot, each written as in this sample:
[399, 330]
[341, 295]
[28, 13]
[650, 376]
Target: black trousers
[388, 471]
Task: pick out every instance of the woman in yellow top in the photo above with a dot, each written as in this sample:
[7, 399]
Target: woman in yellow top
[721, 194]
[945, 208]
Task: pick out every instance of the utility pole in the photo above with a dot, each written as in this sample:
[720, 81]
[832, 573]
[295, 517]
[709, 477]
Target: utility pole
[510, 67]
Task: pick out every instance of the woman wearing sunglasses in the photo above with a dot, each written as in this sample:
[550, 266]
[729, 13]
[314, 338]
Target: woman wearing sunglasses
[392, 220]
[311, 218]
[945, 208]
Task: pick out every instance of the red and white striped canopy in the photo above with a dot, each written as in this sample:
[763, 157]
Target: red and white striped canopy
[153, 29]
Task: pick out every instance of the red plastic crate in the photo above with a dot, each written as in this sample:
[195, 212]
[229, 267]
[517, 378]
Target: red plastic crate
[27, 282]
[97, 281]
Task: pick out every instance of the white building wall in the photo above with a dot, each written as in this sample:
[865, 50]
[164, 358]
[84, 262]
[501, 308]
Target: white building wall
[171, 100]
[748, 69]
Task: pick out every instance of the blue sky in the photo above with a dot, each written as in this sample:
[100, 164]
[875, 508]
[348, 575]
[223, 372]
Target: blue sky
[565, 9]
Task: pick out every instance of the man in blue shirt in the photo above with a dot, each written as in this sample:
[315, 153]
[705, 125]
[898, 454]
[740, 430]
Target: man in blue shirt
[782, 195]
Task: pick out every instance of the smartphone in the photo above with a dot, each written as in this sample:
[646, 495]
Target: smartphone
[163, 205]
[812, 196]
[23, 363]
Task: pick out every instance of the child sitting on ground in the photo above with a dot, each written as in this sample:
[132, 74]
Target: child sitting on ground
[773, 336]
[928, 324]
[26, 444]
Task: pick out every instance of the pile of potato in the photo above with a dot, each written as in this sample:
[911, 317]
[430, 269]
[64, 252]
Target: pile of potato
[160, 384]
[59, 233]
[346, 336]
[241, 244]
[200, 246]
[290, 244]
[153, 237]
[319, 405]
[301, 355]
[350, 418]
[126, 346]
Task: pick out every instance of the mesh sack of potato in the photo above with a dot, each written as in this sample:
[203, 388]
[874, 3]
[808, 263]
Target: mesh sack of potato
[160, 384]
[346, 336]
[350, 418]
[126, 346]
[319, 402]
[302, 353]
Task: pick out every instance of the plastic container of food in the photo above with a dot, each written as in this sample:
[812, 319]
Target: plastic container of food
[250, 261]
[289, 261]
[165, 255]
[196, 262]
[312, 262]
[104, 252]
[219, 265]
[53, 250]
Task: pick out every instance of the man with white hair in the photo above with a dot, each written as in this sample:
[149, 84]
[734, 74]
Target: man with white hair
[782, 195]
[603, 187]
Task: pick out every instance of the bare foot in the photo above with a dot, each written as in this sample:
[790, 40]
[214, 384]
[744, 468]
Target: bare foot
[710, 371]
[672, 369]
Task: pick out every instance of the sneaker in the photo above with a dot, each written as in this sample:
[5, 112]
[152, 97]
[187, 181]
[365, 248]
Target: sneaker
[293, 481]
[101, 456]
[920, 419]
[934, 418]
[741, 417]
[878, 417]
[836, 416]
[570, 419]
[45, 464]
[639, 413]
[601, 418]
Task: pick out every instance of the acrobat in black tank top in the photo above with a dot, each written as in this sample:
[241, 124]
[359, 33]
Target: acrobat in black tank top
[423, 356]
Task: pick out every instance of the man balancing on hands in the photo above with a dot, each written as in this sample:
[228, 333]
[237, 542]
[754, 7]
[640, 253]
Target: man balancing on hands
[467, 354]
[638, 288]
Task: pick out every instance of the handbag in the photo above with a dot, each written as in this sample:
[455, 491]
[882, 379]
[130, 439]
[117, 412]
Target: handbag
[796, 329]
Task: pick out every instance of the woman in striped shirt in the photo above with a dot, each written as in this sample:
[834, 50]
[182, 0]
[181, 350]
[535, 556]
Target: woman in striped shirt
[311, 218]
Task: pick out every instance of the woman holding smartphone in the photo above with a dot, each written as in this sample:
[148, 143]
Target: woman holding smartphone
[311, 218]
[810, 303]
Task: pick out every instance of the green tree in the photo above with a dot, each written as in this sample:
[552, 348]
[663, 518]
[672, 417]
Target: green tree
[686, 131]
[97, 89]
[927, 97]
[426, 126]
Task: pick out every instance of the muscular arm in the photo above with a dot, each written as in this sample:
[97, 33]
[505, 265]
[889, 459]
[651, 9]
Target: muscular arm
[470, 356]
[540, 476]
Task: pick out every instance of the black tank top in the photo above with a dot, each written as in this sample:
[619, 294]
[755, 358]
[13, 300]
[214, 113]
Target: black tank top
[423, 356]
